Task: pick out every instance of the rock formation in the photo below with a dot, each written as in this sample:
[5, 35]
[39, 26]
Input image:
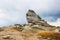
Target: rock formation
[35, 23]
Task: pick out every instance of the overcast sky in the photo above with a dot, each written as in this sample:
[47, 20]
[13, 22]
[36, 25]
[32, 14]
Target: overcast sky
[13, 11]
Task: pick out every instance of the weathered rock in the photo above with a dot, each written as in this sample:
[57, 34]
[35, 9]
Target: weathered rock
[6, 37]
[32, 29]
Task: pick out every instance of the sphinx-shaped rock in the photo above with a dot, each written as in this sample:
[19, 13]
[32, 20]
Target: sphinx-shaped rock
[33, 18]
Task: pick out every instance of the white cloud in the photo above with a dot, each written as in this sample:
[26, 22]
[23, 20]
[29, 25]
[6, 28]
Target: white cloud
[8, 19]
[13, 11]
[56, 23]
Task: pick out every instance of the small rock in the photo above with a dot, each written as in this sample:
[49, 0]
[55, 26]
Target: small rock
[6, 37]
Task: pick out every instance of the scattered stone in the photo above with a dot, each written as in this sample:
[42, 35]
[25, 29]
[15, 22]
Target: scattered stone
[19, 27]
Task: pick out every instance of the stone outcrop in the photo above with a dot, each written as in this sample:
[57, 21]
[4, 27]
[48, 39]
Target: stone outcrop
[35, 23]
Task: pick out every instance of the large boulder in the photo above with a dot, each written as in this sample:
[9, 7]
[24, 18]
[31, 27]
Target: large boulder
[32, 17]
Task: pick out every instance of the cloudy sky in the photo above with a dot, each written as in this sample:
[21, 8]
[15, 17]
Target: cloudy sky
[13, 11]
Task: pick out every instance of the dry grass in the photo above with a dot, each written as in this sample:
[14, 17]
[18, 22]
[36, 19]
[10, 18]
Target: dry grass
[18, 35]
